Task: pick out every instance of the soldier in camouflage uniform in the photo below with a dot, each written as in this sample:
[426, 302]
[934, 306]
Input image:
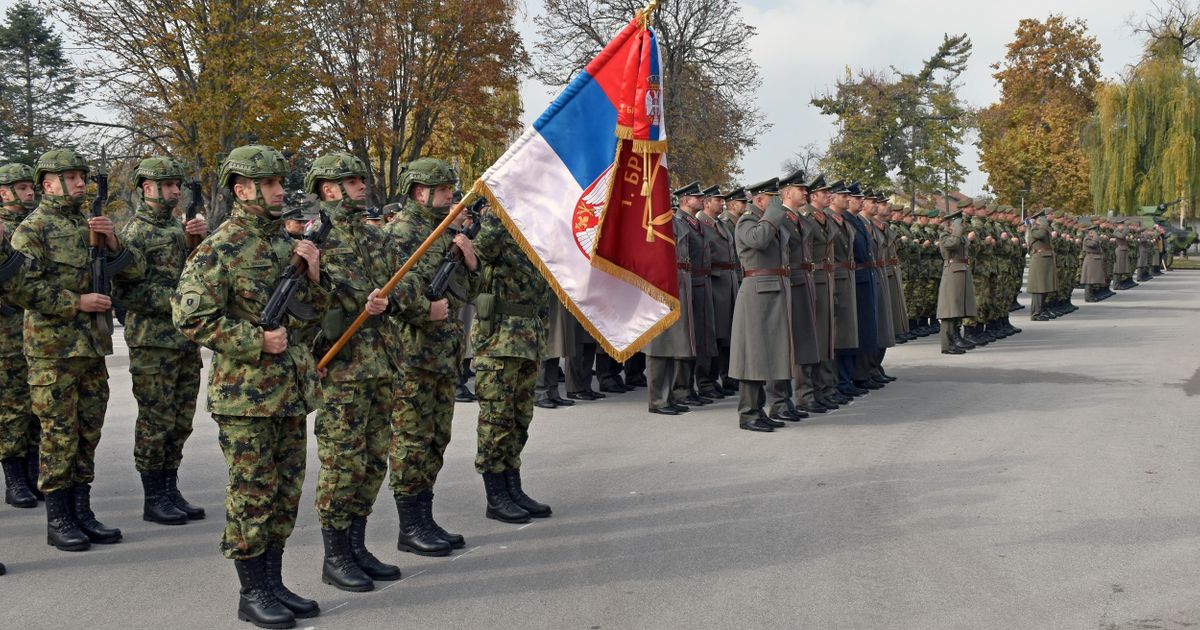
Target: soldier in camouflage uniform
[163, 364]
[353, 424]
[510, 328]
[433, 342]
[65, 344]
[263, 382]
[19, 431]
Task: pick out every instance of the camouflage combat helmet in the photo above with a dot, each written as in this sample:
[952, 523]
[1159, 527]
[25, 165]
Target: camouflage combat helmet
[159, 169]
[253, 161]
[426, 172]
[60, 161]
[10, 174]
[335, 167]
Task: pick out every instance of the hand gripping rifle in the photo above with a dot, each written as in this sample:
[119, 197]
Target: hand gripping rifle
[102, 267]
[281, 300]
[190, 213]
[440, 283]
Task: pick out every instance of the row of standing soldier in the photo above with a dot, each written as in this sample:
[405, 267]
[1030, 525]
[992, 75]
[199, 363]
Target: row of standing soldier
[384, 403]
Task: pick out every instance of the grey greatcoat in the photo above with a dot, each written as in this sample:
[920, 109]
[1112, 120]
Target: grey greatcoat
[704, 327]
[730, 223]
[816, 223]
[845, 304]
[761, 350]
[1121, 266]
[722, 274]
[1042, 264]
[1092, 271]
[956, 292]
[560, 336]
[885, 331]
[895, 279]
[678, 342]
[804, 324]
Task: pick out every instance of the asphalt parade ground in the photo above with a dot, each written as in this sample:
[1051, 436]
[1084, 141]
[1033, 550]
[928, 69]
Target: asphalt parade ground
[1046, 481]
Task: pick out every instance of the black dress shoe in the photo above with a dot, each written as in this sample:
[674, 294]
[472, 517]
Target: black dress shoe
[680, 408]
[867, 384]
[584, 395]
[613, 389]
[954, 350]
[712, 393]
[545, 403]
[841, 399]
[665, 411]
[462, 394]
[697, 401]
[774, 424]
[815, 407]
[755, 425]
[596, 395]
[562, 402]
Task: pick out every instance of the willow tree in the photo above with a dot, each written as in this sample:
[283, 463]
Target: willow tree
[1142, 142]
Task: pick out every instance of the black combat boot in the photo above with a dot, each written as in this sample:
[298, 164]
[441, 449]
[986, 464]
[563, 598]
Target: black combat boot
[301, 607]
[156, 507]
[32, 464]
[257, 604]
[536, 509]
[500, 506]
[171, 490]
[1012, 329]
[61, 530]
[339, 569]
[456, 540]
[16, 490]
[415, 535]
[86, 518]
[366, 560]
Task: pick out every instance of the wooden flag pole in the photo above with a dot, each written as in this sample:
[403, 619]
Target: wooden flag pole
[398, 276]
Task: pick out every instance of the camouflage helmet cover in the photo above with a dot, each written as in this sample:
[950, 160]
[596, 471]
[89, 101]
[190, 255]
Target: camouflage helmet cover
[15, 172]
[157, 169]
[59, 161]
[333, 167]
[426, 172]
[254, 161]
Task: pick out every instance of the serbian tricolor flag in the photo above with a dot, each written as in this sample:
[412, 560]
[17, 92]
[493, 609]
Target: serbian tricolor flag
[585, 193]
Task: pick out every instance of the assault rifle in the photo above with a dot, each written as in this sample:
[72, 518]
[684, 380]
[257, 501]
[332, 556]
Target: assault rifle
[440, 283]
[190, 213]
[281, 300]
[102, 268]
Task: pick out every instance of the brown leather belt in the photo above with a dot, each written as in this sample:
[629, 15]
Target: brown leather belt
[849, 266]
[724, 266]
[953, 261]
[751, 273]
[824, 266]
[1044, 249]
[683, 266]
[866, 265]
[805, 267]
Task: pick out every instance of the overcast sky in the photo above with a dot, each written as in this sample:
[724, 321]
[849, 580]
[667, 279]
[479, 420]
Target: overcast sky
[798, 61]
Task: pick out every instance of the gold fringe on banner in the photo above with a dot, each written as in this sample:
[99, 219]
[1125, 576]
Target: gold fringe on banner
[620, 356]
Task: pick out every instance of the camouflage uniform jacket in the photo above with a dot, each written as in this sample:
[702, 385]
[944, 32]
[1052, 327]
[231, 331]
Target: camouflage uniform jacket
[12, 317]
[358, 259]
[513, 306]
[56, 241]
[428, 345]
[159, 237]
[222, 292]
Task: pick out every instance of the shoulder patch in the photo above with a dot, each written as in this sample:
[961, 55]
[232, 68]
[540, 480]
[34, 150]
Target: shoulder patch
[190, 301]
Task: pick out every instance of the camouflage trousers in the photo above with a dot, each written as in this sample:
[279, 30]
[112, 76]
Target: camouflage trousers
[354, 433]
[985, 300]
[18, 426]
[265, 457]
[69, 398]
[421, 417]
[165, 385]
[504, 386]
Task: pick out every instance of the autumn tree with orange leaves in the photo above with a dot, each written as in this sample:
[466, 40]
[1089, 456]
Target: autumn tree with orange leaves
[1029, 141]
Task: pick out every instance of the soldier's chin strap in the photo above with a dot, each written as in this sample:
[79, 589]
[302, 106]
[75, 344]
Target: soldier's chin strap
[352, 204]
[274, 212]
[169, 204]
[17, 203]
[72, 202]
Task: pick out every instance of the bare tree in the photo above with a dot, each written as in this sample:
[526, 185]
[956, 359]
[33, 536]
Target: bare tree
[807, 158]
[1171, 29]
[709, 76]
